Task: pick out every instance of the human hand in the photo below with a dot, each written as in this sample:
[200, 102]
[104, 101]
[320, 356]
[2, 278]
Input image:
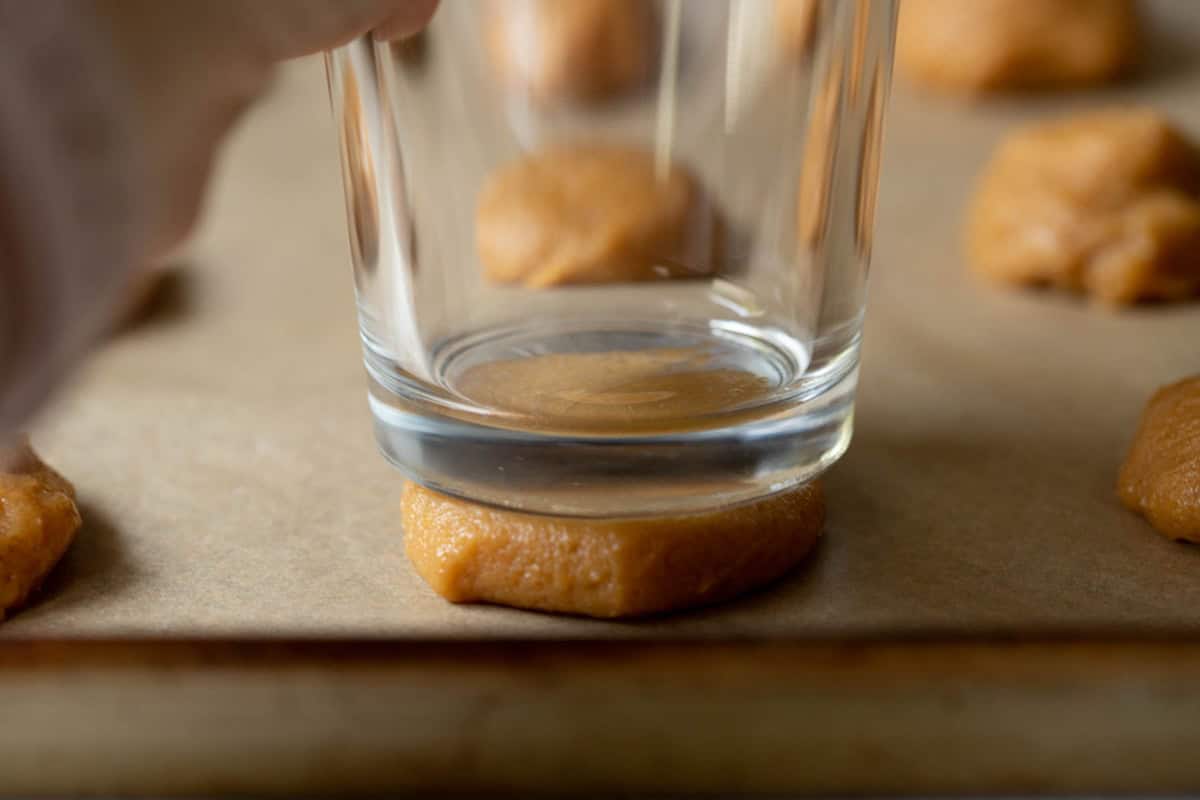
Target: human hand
[111, 114]
[193, 66]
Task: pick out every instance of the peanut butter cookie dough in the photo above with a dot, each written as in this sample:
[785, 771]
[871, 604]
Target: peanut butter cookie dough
[606, 568]
[981, 46]
[38, 521]
[646, 391]
[1104, 203]
[592, 214]
[579, 50]
[1161, 475]
[794, 21]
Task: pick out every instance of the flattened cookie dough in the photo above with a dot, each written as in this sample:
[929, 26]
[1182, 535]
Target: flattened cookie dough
[980, 46]
[658, 390]
[1104, 203]
[38, 521]
[606, 568]
[584, 50]
[1161, 475]
[592, 214]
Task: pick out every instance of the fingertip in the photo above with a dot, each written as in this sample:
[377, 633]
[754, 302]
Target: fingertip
[411, 17]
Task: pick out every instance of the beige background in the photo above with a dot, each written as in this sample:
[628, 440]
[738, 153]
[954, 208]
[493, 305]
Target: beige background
[231, 487]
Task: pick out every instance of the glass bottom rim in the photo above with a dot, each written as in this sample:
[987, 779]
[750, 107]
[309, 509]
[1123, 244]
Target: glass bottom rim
[401, 393]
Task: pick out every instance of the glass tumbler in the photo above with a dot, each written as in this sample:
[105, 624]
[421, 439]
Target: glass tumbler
[611, 255]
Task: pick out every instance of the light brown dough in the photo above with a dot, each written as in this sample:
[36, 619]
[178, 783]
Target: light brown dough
[1104, 203]
[980, 46]
[657, 390]
[794, 23]
[585, 50]
[592, 214]
[38, 521]
[606, 568]
[1161, 475]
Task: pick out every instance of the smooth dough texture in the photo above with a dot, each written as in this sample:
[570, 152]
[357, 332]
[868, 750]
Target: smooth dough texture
[980, 46]
[1161, 475]
[606, 568]
[592, 214]
[579, 50]
[794, 21]
[1103, 203]
[38, 521]
[658, 390]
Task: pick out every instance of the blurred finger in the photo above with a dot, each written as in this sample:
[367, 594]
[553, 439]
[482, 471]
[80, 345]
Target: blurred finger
[409, 19]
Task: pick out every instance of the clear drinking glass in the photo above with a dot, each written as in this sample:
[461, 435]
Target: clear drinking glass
[611, 255]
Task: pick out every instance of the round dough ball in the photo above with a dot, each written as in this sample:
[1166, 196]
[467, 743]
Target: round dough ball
[794, 23]
[38, 521]
[1103, 203]
[599, 214]
[606, 568]
[572, 49]
[980, 46]
[1161, 475]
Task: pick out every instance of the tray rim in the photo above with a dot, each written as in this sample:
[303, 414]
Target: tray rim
[891, 716]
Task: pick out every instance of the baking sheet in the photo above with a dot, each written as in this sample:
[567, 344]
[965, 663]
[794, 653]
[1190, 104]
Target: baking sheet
[231, 487]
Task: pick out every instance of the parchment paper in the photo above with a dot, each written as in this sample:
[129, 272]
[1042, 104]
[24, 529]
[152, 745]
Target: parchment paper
[230, 483]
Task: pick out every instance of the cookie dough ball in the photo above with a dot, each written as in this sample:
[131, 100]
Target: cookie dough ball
[794, 23]
[592, 214]
[38, 521]
[1161, 475]
[606, 568]
[1104, 204]
[580, 50]
[980, 46]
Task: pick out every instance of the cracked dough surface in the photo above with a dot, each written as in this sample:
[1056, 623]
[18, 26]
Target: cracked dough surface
[1103, 203]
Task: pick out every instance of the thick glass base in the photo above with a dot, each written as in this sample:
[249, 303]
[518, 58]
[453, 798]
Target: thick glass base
[615, 418]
